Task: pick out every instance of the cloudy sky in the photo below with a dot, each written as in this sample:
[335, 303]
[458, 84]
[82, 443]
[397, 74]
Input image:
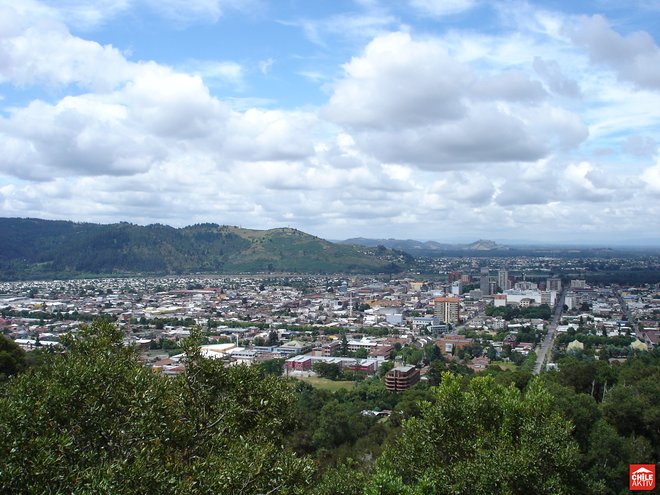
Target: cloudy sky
[449, 120]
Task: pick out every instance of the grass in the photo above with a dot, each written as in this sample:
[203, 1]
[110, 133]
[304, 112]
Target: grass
[504, 365]
[325, 384]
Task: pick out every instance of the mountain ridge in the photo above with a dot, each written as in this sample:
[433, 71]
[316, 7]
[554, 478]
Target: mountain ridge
[35, 248]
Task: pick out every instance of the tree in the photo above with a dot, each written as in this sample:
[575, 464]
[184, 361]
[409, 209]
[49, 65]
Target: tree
[361, 353]
[273, 338]
[344, 345]
[273, 366]
[330, 371]
[95, 420]
[483, 440]
[12, 358]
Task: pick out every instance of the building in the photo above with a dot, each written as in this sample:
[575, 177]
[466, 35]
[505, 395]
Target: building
[401, 378]
[306, 363]
[421, 322]
[499, 300]
[356, 345]
[553, 284]
[484, 281]
[578, 284]
[449, 344]
[447, 309]
[503, 279]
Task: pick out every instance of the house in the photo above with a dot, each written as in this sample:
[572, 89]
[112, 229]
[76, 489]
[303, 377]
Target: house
[479, 363]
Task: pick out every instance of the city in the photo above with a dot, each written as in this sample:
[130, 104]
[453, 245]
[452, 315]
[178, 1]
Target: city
[496, 315]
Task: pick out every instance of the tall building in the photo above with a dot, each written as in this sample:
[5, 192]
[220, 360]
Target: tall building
[454, 276]
[484, 281]
[503, 279]
[448, 309]
[553, 284]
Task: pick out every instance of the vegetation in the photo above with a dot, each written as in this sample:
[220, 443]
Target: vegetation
[541, 311]
[33, 248]
[94, 420]
[12, 358]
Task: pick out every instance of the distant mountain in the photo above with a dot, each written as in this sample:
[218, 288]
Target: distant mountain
[33, 248]
[428, 248]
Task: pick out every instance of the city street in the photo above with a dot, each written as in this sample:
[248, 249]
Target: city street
[546, 345]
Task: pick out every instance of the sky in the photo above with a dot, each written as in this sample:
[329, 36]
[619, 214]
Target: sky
[446, 120]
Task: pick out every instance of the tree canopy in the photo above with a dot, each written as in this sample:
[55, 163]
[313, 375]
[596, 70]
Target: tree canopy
[95, 420]
[482, 440]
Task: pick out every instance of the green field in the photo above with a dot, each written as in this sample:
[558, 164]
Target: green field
[506, 366]
[325, 384]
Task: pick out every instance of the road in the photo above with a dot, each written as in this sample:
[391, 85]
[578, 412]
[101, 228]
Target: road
[624, 306]
[546, 345]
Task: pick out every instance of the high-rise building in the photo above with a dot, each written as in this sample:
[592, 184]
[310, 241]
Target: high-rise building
[448, 309]
[553, 284]
[484, 281]
[503, 279]
[454, 276]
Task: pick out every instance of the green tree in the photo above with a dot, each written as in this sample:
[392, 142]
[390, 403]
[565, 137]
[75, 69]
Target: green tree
[95, 420]
[273, 338]
[484, 440]
[273, 366]
[327, 370]
[12, 358]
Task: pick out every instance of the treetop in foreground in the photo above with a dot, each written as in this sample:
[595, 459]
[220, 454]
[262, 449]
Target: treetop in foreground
[95, 420]
[482, 440]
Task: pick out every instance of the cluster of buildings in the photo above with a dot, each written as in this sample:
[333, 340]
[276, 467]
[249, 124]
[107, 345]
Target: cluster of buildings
[301, 319]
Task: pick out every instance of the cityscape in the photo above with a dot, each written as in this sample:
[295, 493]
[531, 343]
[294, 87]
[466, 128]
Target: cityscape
[303, 319]
[347, 247]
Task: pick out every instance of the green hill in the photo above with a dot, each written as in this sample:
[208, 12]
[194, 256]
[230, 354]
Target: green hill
[34, 248]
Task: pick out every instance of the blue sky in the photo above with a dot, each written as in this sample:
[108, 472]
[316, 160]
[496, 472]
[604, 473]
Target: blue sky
[430, 119]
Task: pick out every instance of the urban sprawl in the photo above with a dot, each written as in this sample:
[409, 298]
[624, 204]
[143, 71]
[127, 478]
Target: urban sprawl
[477, 312]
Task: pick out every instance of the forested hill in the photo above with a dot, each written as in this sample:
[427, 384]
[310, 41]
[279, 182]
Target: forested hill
[34, 248]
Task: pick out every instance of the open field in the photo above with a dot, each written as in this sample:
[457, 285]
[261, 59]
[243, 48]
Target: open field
[504, 365]
[325, 384]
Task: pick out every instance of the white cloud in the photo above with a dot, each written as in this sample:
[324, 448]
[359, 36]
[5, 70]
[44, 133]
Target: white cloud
[442, 8]
[408, 101]
[634, 58]
[651, 177]
[266, 65]
[641, 146]
[551, 73]
[44, 52]
[460, 134]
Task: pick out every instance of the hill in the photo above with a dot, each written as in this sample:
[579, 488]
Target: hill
[433, 248]
[34, 248]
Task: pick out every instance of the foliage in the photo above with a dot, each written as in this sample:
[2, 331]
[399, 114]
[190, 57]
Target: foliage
[483, 440]
[542, 311]
[12, 358]
[95, 420]
[33, 248]
[331, 371]
[272, 366]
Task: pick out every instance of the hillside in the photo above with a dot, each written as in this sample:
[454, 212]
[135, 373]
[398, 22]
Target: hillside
[34, 248]
[432, 248]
